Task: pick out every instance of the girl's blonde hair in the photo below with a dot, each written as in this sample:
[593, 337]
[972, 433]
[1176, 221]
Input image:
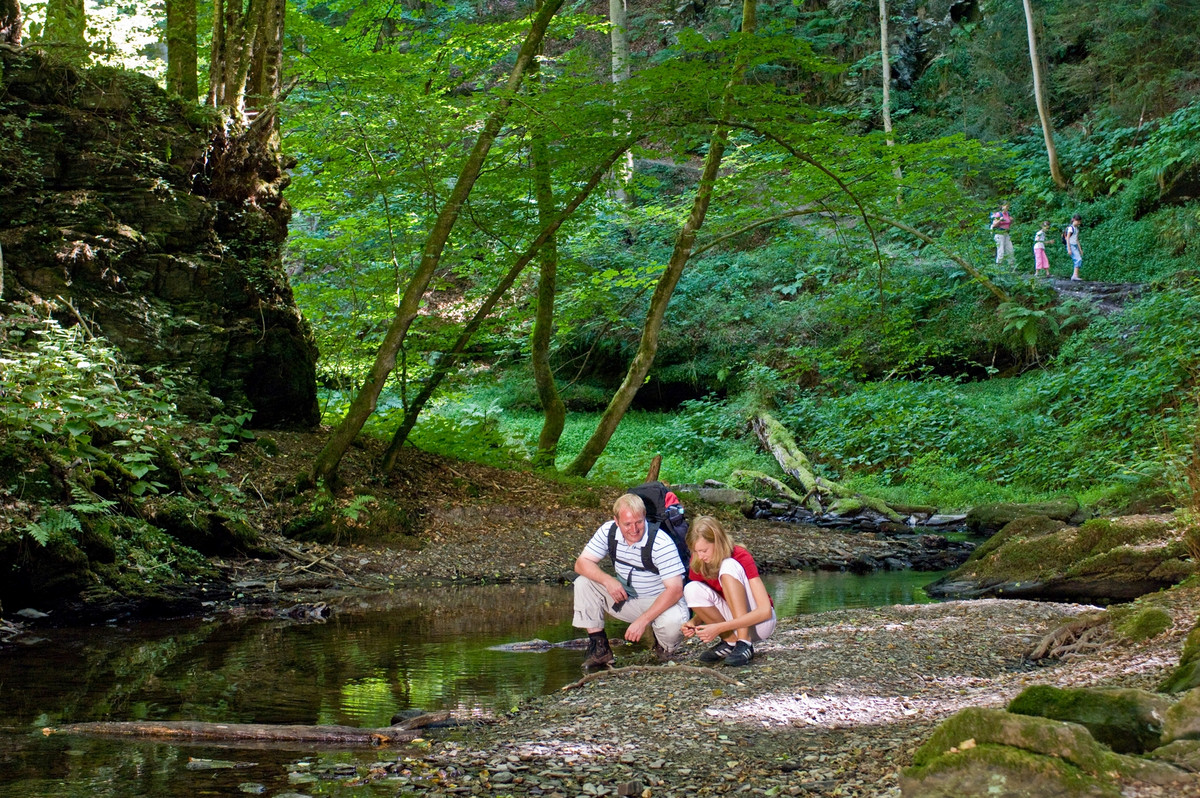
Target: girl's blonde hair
[709, 529]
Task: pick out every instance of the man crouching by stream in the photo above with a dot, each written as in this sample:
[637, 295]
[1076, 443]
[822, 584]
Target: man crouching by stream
[647, 590]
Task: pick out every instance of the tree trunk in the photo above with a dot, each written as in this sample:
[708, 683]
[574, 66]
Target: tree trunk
[979, 276]
[884, 52]
[448, 362]
[265, 78]
[65, 23]
[644, 359]
[1043, 114]
[820, 495]
[325, 466]
[245, 67]
[554, 412]
[347, 736]
[619, 37]
[10, 22]
[181, 49]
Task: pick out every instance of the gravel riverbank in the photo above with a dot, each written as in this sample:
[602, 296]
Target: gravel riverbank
[834, 704]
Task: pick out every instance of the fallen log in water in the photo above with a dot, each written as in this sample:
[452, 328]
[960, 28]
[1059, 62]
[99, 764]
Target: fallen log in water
[348, 736]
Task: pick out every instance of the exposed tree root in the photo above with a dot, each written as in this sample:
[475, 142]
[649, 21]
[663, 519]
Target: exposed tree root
[1074, 638]
[591, 677]
[347, 736]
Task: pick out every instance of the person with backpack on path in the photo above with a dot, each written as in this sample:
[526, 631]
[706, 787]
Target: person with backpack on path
[647, 590]
[1001, 222]
[728, 597]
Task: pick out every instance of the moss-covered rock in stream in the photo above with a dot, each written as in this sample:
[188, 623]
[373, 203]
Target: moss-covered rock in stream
[1104, 560]
[110, 202]
[980, 752]
[1126, 720]
[985, 518]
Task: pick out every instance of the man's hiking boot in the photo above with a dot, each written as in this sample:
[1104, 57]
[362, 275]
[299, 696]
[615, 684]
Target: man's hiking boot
[717, 653]
[599, 655]
[661, 654]
[743, 652]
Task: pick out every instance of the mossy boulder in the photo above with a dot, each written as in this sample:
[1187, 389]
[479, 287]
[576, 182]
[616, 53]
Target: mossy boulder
[992, 517]
[1069, 742]
[1104, 560]
[1135, 623]
[1186, 675]
[1127, 721]
[997, 771]
[1181, 753]
[34, 574]
[199, 528]
[1182, 721]
[989, 752]
[171, 265]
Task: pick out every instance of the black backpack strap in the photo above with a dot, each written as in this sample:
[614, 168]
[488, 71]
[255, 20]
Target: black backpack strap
[647, 549]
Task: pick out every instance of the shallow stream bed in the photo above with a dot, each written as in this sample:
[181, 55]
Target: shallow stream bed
[372, 658]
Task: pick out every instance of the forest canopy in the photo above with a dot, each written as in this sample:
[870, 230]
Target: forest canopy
[513, 222]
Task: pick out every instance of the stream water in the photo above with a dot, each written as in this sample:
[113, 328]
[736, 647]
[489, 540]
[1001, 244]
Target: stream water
[371, 659]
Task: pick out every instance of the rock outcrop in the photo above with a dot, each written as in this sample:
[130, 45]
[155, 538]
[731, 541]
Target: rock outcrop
[1104, 560]
[115, 212]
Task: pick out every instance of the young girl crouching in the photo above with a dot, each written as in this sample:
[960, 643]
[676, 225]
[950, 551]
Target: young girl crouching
[727, 597]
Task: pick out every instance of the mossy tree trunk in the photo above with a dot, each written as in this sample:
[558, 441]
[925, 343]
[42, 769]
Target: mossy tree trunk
[327, 461]
[821, 496]
[648, 346]
[182, 76]
[245, 66]
[10, 22]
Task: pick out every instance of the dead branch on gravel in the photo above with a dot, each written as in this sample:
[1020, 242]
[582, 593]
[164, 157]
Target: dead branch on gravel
[345, 736]
[591, 677]
[1074, 638]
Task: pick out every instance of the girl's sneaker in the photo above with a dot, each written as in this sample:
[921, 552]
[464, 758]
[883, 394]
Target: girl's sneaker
[717, 653]
[743, 652]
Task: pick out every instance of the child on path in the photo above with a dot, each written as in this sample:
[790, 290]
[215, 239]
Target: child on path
[1071, 239]
[727, 596]
[1041, 264]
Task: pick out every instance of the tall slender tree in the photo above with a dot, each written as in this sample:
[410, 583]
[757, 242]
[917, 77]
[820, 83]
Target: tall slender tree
[181, 49]
[618, 32]
[1039, 97]
[326, 464]
[554, 411]
[10, 22]
[550, 226]
[682, 251]
[885, 57]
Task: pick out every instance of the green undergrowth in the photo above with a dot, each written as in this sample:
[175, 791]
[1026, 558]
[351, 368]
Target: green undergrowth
[106, 488]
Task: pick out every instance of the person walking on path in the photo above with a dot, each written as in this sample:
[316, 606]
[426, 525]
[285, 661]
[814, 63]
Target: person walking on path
[1041, 264]
[1001, 222]
[1071, 239]
[645, 597]
[727, 596]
